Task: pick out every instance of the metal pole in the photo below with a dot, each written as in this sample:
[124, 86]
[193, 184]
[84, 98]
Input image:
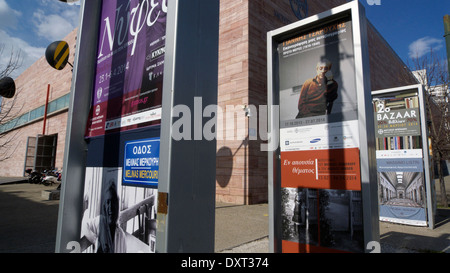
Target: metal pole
[46, 108]
[72, 185]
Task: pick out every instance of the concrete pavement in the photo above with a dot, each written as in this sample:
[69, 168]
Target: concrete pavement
[242, 229]
[245, 234]
[12, 180]
[28, 225]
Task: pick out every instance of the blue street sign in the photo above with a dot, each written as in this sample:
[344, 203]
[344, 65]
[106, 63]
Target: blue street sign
[141, 163]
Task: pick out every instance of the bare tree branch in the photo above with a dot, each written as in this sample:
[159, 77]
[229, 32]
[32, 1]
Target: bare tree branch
[431, 71]
[14, 62]
[9, 108]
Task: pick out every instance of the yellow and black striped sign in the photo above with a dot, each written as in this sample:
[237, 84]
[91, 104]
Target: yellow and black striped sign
[57, 54]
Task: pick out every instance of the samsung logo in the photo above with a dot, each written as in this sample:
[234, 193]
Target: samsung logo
[315, 140]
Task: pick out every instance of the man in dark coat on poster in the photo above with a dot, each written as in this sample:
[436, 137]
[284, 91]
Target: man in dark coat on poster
[318, 94]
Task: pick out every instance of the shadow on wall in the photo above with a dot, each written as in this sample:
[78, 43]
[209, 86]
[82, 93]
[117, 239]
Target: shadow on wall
[224, 163]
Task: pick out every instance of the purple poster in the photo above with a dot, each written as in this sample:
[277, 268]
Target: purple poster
[130, 65]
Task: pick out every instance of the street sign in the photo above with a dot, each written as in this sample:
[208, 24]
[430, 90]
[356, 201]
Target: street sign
[141, 163]
[57, 54]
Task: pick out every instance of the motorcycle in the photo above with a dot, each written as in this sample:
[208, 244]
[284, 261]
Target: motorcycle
[46, 178]
[49, 178]
[59, 180]
[34, 177]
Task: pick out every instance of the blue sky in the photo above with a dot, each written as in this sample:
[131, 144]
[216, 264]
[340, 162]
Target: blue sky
[409, 26]
[31, 25]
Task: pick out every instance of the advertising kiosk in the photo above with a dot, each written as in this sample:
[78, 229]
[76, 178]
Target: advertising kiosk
[406, 190]
[128, 185]
[322, 176]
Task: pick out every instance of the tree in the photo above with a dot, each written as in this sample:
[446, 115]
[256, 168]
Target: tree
[431, 71]
[12, 63]
[9, 108]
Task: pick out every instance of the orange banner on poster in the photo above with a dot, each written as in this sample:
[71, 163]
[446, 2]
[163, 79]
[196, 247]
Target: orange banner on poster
[321, 169]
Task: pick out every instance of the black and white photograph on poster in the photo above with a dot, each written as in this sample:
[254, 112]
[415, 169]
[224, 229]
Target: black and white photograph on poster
[317, 74]
[323, 218]
[299, 212]
[116, 218]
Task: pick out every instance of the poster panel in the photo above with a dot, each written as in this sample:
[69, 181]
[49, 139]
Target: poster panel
[116, 218]
[319, 141]
[400, 166]
[130, 63]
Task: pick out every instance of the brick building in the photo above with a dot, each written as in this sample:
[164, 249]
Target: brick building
[241, 166]
[28, 116]
[241, 172]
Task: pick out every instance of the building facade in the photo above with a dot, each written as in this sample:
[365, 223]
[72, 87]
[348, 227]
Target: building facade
[241, 166]
[23, 127]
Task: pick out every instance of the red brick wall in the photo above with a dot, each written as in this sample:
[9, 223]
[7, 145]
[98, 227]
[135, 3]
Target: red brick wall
[387, 70]
[233, 83]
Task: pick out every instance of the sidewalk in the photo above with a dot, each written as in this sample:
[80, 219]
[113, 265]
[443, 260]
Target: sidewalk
[29, 225]
[242, 229]
[397, 238]
[243, 234]
[12, 180]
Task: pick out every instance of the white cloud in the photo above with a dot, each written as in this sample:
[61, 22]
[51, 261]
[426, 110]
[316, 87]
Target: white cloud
[8, 16]
[55, 27]
[423, 46]
[74, 2]
[29, 54]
